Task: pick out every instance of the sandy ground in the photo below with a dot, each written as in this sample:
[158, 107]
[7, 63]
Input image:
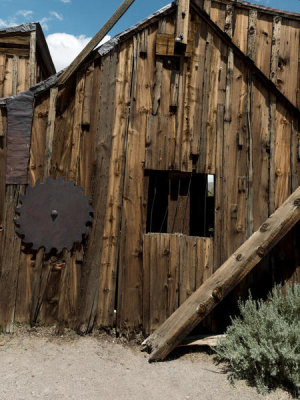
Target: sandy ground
[36, 364]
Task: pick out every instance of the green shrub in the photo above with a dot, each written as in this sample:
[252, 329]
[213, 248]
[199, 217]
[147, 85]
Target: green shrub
[263, 344]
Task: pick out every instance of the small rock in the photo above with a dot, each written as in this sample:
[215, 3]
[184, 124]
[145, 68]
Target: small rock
[2, 343]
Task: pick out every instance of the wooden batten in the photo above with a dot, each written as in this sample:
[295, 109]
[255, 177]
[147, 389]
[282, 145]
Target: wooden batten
[50, 130]
[32, 59]
[182, 24]
[252, 28]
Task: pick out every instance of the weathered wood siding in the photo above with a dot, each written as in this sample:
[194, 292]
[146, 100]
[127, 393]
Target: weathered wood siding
[270, 38]
[21, 65]
[143, 107]
[174, 266]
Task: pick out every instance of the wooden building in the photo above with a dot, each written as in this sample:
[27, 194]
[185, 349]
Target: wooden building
[201, 90]
[24, 58]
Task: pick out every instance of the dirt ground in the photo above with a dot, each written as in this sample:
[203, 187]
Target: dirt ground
[36, 364]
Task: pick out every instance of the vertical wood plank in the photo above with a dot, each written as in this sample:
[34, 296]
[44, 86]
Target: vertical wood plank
[261, 146]
[263, 42]
[147, 252]
[218, 229]
[8, 77]
[159, 281]
[22, 83]
[288, 56]
[15, 64]
[88, 89]
[38, 139]
[2, 73]
[195, 83]
[240, 28]
[77, 126]
[32, 59]
[173, 274]
[252, 24]
[129, 313]
[9, 260]
[98, 279]
[111, 229]
[50, 130]
[182, 22]
[282, 156]
[3, 128]
[276, 29]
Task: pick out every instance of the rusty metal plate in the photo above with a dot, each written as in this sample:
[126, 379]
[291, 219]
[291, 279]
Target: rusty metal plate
[54, 215]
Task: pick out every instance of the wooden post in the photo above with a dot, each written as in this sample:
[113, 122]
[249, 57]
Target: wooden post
[182, 25]
[203, 301]
[50, 130]
[32, 59]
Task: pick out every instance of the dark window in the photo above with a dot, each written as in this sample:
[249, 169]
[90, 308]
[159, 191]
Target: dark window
[180, 203]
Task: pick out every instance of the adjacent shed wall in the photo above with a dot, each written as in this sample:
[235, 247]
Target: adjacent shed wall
[134, 109]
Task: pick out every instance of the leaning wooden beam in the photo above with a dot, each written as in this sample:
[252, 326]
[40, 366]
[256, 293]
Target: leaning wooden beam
[203, 301]
[94, 42]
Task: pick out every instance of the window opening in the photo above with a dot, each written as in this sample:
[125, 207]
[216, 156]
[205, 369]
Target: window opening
[180, 203]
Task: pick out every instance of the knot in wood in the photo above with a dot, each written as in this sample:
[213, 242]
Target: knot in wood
[239, 257]
[201, 309]
[166, 252]
[297, 202]
[217, 294]
[261, 251]
[264, 227]
[239, 228]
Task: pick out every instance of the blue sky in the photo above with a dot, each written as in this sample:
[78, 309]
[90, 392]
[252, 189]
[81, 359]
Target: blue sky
[72, 22]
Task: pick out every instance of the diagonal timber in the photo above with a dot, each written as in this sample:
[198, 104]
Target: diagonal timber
[94, 42]
[203, 301]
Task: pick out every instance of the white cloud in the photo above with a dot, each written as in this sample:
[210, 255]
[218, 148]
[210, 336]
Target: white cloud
[65, 47]
[65, 1]
[25, 13]
[56, 15]
[44, 23]
[11, 21]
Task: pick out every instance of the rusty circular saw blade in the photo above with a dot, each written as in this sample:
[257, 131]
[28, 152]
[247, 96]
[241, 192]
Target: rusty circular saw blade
[53, 215]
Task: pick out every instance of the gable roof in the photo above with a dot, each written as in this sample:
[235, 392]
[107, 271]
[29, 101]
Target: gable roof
[110, 45]
[116, 40]
[40, 41]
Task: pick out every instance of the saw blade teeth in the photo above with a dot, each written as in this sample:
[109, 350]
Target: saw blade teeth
[53, 188]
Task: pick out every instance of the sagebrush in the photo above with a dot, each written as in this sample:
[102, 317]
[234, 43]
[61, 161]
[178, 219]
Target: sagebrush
[263, 344]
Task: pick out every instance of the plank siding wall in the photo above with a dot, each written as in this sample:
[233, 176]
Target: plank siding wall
[134, 110]
[287, 36]
[174, 266]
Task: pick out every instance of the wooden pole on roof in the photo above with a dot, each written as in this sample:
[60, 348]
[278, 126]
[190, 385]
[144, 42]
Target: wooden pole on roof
[94, 42]
[215, 288]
